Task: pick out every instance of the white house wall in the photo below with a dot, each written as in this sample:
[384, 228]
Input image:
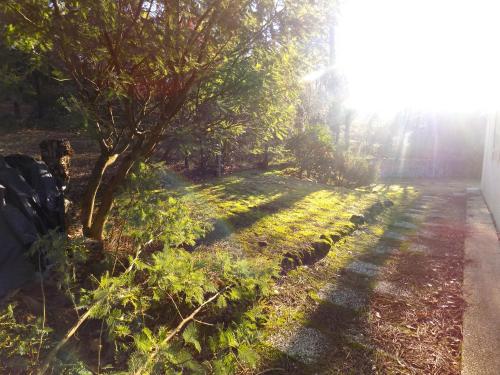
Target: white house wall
[490, 182]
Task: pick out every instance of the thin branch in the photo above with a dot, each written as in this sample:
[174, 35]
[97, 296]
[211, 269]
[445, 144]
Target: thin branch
[176, 307]
[177, 329]
[23, 15]
[204, 323]
[46, 363]
[44, 315]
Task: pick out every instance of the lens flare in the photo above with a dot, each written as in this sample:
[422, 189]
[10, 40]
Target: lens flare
[429, 55]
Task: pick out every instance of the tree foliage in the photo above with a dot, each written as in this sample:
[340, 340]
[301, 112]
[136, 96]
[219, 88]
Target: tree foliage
[135, 64]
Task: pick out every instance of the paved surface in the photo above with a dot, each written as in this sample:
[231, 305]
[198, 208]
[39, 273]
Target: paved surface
[481, 344]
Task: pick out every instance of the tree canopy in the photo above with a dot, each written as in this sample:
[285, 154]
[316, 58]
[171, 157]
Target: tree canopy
[136, 64]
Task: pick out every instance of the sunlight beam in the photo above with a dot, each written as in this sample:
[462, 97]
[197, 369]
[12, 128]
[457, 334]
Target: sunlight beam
[430, 55]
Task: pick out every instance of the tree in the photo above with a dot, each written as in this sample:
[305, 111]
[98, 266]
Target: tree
[134, 64]
[314, 152]
[246, 108]
[26, 81]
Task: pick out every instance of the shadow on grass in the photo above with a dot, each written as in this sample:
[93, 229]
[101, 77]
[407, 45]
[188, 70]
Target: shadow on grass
[245, 198]
[233, 223]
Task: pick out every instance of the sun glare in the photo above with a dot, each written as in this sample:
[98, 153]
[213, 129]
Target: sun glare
[432, 55]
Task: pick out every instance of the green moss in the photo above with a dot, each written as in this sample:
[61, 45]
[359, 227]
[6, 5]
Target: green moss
[286, 212]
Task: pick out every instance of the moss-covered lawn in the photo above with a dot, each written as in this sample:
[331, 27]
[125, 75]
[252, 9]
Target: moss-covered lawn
[269, 213]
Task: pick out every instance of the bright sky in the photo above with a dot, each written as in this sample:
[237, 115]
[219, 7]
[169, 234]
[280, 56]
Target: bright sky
[434, 55]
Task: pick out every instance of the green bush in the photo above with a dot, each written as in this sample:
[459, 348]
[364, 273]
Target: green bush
[355, 172]
[316, 156]
[313, 152]
[162, 309]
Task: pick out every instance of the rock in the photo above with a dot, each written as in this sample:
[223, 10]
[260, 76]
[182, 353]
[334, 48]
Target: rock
[335, 237]
[388, 203]
[375, 209]
[342, 296]
[322, 245]
[357, 219]
[378, 206]
[363, 268]
[325, 237]
[394, 236]
[317, 251]
[289, 262]
[404, 225]
[302, 343]
[390, 289]
[320, 250]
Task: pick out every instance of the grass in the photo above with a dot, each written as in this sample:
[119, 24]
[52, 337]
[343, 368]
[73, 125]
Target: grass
[269, 214]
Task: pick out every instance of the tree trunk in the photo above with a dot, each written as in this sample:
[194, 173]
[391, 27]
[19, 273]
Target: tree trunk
[96, 229]
[141, 149]
[17, 109]
[219, 167]
[203, 163]
[39, 95]
[265, 162]
[186, 162]
[88, 200]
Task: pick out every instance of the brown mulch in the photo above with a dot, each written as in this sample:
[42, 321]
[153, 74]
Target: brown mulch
[422, 334]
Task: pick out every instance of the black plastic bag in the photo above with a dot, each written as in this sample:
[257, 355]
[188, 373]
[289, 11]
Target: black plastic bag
[37, 175]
